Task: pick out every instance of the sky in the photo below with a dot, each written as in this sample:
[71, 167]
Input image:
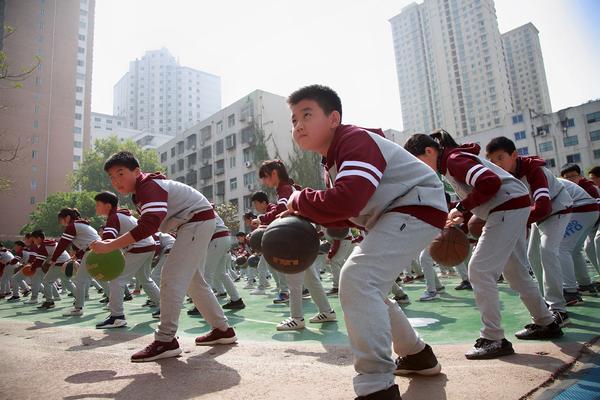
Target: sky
[279, 46]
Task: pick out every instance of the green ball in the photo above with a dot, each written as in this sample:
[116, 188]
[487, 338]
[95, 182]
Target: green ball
[105, 267]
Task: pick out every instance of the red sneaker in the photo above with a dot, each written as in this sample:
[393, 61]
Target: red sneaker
[157, 350]
[136, 292]
[217, 336]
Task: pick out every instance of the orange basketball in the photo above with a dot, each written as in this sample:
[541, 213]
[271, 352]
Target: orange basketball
[476, 226]
[450, 248]
[27, 271]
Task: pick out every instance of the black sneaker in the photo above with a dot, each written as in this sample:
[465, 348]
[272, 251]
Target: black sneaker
[561, 318]
[485, 349]
[47, 305]
[112, 322]
[464, 285]
[391, 393]
[537, 332]
[402, 299]
[572, 299]
[100, 290]
[589, 290]
[128, 297]
[501, 279]
[149, 303]
[26, 293]
[282, 297]
[332, 292]
[156, 314]
[193, 311]
[103, 300]
[71, 295]
[14, 298]
[234, 305]
[422, 363]
[221, 295]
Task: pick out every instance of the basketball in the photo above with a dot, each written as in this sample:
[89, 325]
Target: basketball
[476, 226]
[105, 267]
[337, 233]
[256, 238]
[290, 244]
[241, 260]
[450, 248]
[324, 247]
[253, 261]
[27, 271]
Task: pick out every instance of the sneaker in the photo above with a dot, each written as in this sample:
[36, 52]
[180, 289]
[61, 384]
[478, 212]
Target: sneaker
[149, 303]
[258, 292]
[26, 292]
[428, 296]
[221, 295]
[408, 279]
[157, 350]
[305, 294]
[156, 314]
[572, 299]
[14, 298]
[47, 305]
[420, 277]
[501, 279]
[189, 300]
[589, 290]
[112, 322]
[136, 292]
[464, 285]
[74, 312]
[323, 317]
[485, 349]
[332, 292]
[70, 295]
[31, 301]
[128, 297]
[193, 311]
[441, 289]
[282, 297]
[421, 363]
[391, 393]
[402, 299]
[103, 300]
[217, 336]
[561, 318]
[100, 290]
[250, 284]
[291, 324]
[537, 332]
[234, 305]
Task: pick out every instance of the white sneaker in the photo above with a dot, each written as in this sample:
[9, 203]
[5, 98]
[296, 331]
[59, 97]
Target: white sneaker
[324, 317]
[291, 324]
[31, 301]
[428, 296]
[74, 312]
[258, 292]
[249, 286]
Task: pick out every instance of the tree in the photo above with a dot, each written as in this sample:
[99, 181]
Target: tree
[229, 214]
[305, 168]
[44, 216]
[91, 176]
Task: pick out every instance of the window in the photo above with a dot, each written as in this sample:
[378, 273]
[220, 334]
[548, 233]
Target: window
[232, 162]
[248, 155]
[206, 153]
[230, 142]
[570, 141]
[207, 191]
[247, 203]
[35, 139]
[574, 158]
[250, 178]
[34, 154]
[35, 123]
[206, 172]
[233, 184]
[219, 126]
[551, 163]
[569, 123]
[220, 188]
[220, 167]
[172, 151]
[163, 157]
[180, 165]
[593, 117]
[596, 154]
[520, 135]
[595, 135]
[231, 121]
[219, 147]
[76, 158]
[523, 151]
[517, 118]
[546, 146]
[248, 135]
[77, 144]
[32, 200]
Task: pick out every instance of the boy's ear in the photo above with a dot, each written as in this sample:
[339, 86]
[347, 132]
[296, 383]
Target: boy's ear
[335, 119]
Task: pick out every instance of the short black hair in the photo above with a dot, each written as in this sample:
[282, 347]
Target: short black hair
[249, 215]
[38, 233]
[107, 198]
[20, 243]
[595, 171]
[325, 97]
[569, 167]
[122, 159]
[500, 143]
[240, 234]
[417, 143]
[260, 197]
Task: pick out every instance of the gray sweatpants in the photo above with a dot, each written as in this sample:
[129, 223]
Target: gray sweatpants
[5, 286]
[338, 260]
[157, 270]
[496, 253]
[365, 280]
[217, 261]
[183, 272]
[543, 254]
[18, 280]
[133, 263]
[572, 260]
[36, 283]
[591, 244]
[431, 279]
[311, 280]
[54, 273]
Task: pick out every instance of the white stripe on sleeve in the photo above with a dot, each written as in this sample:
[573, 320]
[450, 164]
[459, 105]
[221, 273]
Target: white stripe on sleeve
[358, 172]
[364, 165]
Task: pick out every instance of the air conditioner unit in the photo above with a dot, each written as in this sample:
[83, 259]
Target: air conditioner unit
[251, 187]
[248, 164]
[542, 132]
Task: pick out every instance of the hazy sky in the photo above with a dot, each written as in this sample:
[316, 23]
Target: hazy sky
[279, 46]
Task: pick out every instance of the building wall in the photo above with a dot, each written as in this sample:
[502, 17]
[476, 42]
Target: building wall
[41, 116]
[105, 126]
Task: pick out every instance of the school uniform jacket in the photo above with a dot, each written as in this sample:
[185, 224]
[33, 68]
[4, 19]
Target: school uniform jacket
[80, 234]
[582, 201]
[164, 205]
[221, 230]
[367, 176]
[284, 191]
[118, 223]
[49, 248]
